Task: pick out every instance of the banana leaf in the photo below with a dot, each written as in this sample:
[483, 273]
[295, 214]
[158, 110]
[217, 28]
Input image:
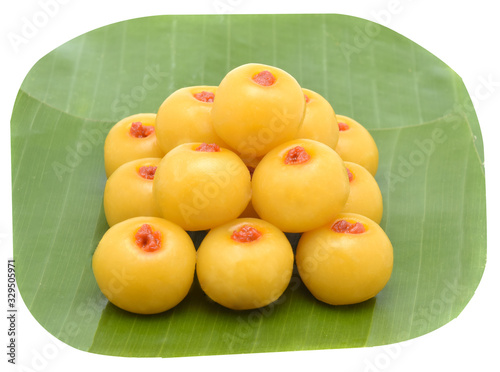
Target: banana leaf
[431, 175]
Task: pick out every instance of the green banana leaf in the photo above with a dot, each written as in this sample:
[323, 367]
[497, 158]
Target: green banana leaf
[431, 175]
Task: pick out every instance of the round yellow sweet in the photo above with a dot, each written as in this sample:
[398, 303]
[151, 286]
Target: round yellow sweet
[356, 144]
[320, 122]
[342, 268]
[303, 196]
[199, 190]
[121, 146]
[184, 117]
[127, 194]
[365, 197]
[242, 274]
[142, 281]
[253, 118]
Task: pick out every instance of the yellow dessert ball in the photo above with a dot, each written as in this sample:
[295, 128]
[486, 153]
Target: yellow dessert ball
[184, 117]
[345, 262]
[145, 265]
[300, 185]
[257, 107]
[199, 186]
[129, 191]
[356, 144]
[130, 139]
[365, 197]
[320, 122]
[244, 264]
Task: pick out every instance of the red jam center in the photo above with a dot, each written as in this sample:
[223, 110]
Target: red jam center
[147, 239]
[204, 96]
[246, 234]
[343, 126]
[297, 155]
[208, 147]
[342, 226]
[351, 176]
[307, 98]
[264, 78]
[147, 172]
[138, 130]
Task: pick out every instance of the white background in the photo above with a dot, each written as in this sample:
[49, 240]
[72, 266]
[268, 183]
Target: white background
[464, 34]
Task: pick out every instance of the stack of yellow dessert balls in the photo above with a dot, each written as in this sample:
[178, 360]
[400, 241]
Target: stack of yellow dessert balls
[249, 160]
